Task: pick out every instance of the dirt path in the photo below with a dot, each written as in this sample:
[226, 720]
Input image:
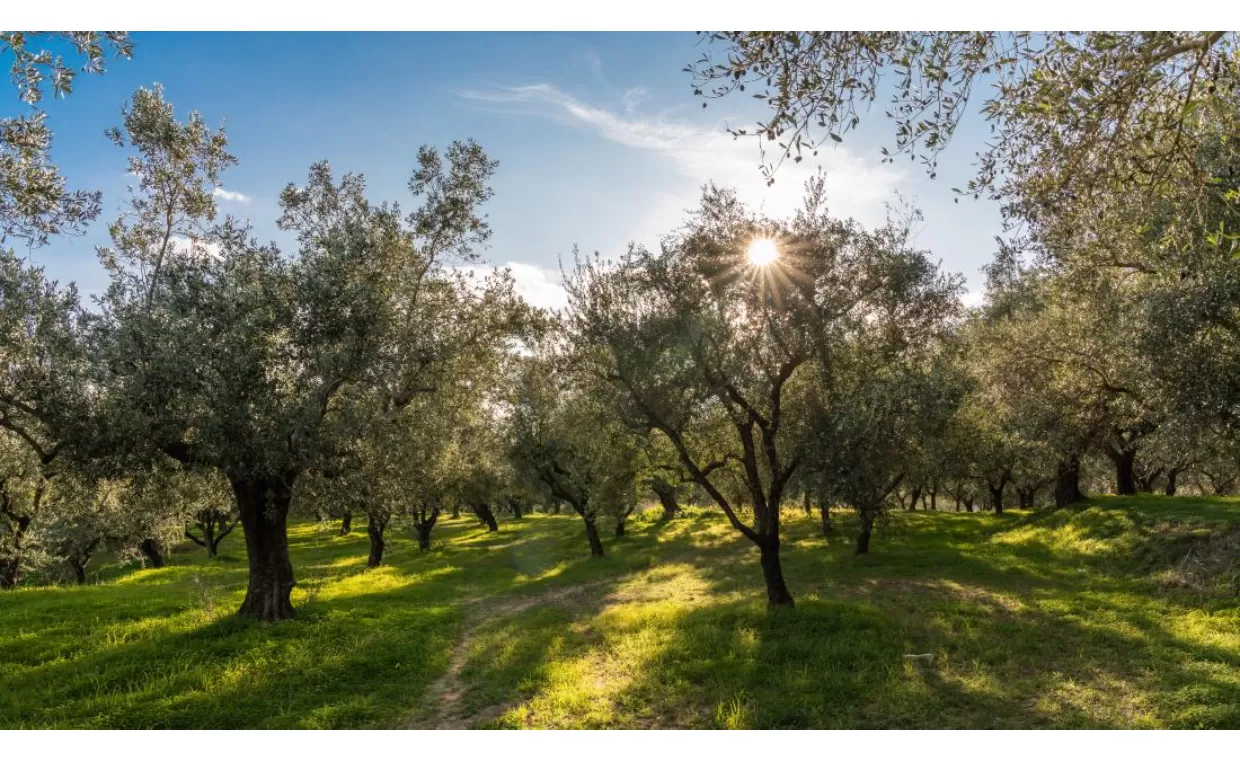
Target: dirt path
[445, 692]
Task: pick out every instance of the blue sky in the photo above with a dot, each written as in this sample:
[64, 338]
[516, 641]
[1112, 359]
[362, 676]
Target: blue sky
[599, 137]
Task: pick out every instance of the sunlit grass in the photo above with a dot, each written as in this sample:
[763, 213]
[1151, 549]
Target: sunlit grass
[1061, 619]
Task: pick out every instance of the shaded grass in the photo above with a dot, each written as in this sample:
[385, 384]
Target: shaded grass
[1058, 619]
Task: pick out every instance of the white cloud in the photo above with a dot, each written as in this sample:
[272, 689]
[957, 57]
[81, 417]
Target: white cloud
[973, 298]
[702, 153]
[539, 287]
[184, 246]
[229, 195]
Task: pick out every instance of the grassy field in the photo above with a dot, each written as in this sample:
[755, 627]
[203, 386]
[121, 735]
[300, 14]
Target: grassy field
[1119, 613]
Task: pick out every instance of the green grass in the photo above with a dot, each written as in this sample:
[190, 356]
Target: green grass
[1084, 617]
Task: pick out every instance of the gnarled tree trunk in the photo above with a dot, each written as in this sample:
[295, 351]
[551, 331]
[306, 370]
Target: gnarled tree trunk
[867, 528]
[1068, 481]
[375, 528]
[484, 513]
[777, 594]
[596, 544]
[1125, 471]
[153, 552]
[667, 498]
[1172, 475]
[264, 506]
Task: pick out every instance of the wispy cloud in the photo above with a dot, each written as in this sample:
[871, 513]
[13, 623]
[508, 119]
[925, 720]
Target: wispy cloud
[706, 152]
[230, 195]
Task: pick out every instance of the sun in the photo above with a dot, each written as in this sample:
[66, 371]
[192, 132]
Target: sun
[762, 251]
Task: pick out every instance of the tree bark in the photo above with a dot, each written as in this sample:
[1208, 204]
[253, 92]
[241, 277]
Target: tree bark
[375, 528]
[346, 524]
[1125, 471]
[1172, 474]
[10, 572]
[484, 513]
[596, 544]
[824, 513]
[517, 512]
[1068, 481]
[777, 594]
[79, 569]
[916, 494]
[867, 528]
[264, 506]
[996, 496]
[151, 550]
[667, 498]
[11, 567]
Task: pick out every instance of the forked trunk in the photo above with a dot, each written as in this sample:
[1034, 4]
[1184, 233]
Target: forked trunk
[1068, 481]
[996, 496]
[375, 528]
[1172, 474]
[264, 506]
[777, 594]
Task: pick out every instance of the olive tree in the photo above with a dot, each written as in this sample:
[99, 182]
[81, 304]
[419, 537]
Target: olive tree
[229, 354]
[710, 346]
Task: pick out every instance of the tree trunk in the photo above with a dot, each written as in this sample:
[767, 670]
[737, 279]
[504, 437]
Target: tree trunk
[79, 569]
[667, 498]
[11, 567]
[264, 506]
[375, 528]
[517, 512]
[996, 496]
[1025, 497]
[1172, 474]
[620, 526]
[867, 527]
[151, 550]
[424, 535]
[777, 594]
[1148, 482]
[596, 545]
[484, 513]
[968, 504]
[346, 524]
[809, 509]
[1125, 472]
[1068, 481]
[456, 511]
[10, 572]
[916, 494]
[825, 514]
